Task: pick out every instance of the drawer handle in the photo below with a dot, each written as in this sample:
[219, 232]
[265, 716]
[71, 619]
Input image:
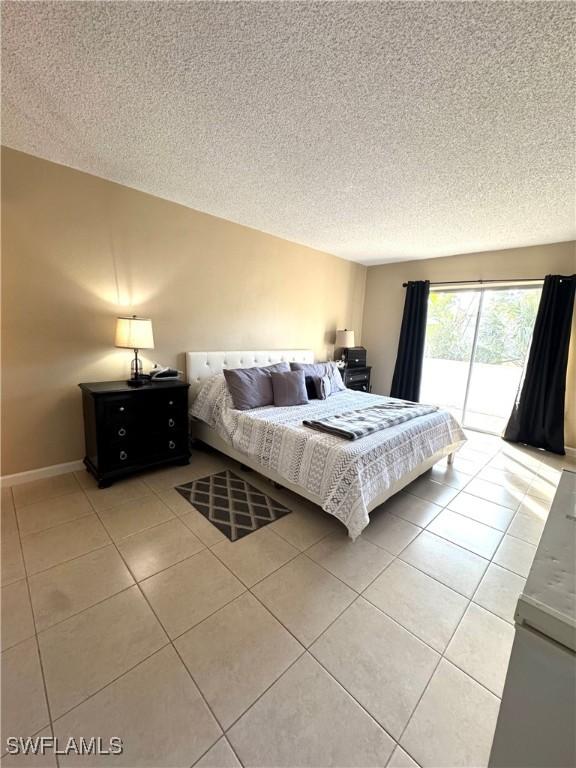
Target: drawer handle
[171, 422]
[172, 445]
[123, 455]
[121, 409]
[121, 432]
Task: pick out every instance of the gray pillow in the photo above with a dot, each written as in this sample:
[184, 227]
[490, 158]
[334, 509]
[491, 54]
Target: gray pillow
[289, 388]
[317, 370]
[252, 387]
[323, 385]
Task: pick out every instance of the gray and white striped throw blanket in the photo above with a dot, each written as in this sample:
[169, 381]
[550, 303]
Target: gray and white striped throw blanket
[355, 424]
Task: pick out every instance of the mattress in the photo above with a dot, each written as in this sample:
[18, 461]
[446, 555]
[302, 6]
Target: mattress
[345, 475]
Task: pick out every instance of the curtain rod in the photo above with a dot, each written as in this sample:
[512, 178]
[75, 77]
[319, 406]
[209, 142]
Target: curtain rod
[471, 282]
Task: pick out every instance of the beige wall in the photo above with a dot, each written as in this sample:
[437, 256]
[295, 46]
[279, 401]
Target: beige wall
[206, 283]
[78, 250]
[384, 302]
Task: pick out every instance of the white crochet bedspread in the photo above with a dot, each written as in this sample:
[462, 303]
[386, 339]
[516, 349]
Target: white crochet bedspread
[345, 475]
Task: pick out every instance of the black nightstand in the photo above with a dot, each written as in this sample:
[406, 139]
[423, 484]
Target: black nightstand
[128, 429]
[357, 378]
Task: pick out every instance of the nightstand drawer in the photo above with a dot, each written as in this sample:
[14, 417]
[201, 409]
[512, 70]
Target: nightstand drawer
[169, 422]
[121, 432]
[119, 409]
[149, 448]
[360, 386]
[354, 378]
[170, 402]
[163, 446]
[357, 379]
[120, 455]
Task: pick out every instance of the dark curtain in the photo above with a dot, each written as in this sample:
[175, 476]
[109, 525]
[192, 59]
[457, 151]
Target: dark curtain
[538, 414]
[408, 369]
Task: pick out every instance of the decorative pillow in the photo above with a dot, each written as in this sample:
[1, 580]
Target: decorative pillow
[323, 385]
[252, 387]
[321, 369]
[311, 387]
[336, 379]
[289, 388]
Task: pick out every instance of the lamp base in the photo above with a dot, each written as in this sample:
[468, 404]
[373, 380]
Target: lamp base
[139, 381]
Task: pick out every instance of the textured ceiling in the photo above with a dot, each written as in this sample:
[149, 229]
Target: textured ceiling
[378, 131]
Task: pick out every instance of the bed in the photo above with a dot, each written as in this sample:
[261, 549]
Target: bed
[347, 479]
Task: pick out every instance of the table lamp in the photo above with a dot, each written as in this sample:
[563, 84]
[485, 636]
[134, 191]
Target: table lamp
[344, 339]
[135, 333]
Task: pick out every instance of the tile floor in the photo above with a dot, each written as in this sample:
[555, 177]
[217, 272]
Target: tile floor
[125, 613]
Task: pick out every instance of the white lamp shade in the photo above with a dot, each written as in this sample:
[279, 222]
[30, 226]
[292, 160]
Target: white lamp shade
[134, 333]
[344, 338]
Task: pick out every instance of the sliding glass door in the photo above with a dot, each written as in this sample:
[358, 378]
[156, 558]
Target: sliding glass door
[449, 340]
[477, 342]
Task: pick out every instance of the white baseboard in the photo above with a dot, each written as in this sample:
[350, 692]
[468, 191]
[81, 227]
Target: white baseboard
[38, 474]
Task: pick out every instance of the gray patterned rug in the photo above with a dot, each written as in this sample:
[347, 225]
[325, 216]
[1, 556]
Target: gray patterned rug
[231, 504]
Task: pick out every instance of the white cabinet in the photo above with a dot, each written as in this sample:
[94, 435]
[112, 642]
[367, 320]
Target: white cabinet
[537, 721]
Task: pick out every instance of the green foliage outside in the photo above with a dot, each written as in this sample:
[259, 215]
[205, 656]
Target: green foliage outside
[505, 330]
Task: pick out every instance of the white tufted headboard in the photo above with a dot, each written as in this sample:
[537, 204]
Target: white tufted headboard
[202, 365]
